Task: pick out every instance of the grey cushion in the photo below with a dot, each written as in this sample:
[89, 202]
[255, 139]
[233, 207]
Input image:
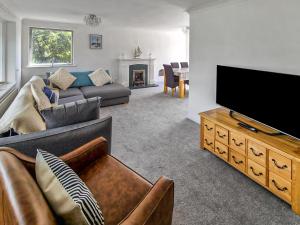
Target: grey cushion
[69, 92]
[108, 91]
[62, 101]
[72, 113]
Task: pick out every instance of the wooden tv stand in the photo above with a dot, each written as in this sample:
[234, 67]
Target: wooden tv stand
[271, 161]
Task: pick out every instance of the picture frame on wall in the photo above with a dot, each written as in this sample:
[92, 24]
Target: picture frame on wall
[95, 41]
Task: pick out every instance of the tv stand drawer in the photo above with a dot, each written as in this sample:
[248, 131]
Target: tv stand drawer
[237, 142]
[222, 135]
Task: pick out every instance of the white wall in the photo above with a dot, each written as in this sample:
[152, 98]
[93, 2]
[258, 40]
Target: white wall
[165, 46]
[253, 34]
[11, 51]
[11, 45]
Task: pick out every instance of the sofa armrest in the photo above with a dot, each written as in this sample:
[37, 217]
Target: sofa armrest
[78, 159]
[157, 206]
[21, 201]
[60, 141]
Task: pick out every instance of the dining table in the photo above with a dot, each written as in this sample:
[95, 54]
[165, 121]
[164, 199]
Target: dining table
[183, 74]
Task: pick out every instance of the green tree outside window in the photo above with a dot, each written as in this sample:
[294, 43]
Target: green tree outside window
[49, 46]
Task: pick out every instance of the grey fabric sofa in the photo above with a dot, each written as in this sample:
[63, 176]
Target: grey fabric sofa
[111, 94]
[60, 141]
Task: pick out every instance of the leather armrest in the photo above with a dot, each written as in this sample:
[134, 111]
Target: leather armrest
[157, 206]
[82, 157]
[21, 201]
[77, 159]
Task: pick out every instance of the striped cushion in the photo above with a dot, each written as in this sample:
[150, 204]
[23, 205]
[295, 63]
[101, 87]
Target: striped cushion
[67, 194]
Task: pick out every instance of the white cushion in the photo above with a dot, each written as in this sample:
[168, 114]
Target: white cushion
[40, 98]
[68, 195]
[100, 77]
[62, 79]
[21, 115]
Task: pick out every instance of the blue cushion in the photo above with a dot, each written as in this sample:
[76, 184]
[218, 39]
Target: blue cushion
[50, 94]
[82, 80]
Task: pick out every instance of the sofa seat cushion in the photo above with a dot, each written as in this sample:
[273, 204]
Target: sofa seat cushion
[69, 92]
[116, 187]
[109, 91]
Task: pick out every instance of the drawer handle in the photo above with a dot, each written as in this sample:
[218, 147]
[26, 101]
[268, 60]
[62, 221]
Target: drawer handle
[208, 128]
[255, 153]
[236, 161]
[220, 151]
[208, 143]
[279, 188]
[256, 174]
[278, 166]
[220, 135]
[237, 144]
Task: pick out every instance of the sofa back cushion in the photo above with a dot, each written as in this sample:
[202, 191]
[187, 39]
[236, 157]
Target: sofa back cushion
[72, 113]
[82, 80]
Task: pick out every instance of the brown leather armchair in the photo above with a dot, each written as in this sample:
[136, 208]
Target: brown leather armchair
[125, 197]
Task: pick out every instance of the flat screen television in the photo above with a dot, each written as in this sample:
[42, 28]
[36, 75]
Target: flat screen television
[267, 97]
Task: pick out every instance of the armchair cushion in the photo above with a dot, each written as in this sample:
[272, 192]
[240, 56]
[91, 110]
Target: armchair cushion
[66, 192]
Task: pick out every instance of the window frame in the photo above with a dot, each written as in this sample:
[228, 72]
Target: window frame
[30, 64]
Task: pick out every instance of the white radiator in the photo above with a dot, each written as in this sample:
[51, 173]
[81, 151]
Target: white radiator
[7, 100]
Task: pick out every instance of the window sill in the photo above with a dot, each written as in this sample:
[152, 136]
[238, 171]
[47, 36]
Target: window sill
[50, 66]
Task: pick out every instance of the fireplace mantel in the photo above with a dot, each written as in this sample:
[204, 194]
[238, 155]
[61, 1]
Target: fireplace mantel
[124, 69]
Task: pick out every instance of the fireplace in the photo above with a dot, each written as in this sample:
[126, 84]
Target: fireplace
[138, 78]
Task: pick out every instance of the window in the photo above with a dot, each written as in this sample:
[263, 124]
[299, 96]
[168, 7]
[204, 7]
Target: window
[2, 53]
[50, 47]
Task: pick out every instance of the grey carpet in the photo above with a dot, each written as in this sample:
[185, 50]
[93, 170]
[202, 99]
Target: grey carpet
[152, 135]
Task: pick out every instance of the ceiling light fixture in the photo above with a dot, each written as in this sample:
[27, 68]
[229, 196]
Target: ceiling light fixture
[92, 20]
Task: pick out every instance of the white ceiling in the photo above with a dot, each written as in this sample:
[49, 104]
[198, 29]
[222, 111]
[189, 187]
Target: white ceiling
[140, 13]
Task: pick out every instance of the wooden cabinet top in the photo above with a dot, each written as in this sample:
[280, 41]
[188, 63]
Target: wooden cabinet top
[284, 143]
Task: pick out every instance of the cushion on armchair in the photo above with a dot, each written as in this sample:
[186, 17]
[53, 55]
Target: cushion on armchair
[67, 194]
[72, 113]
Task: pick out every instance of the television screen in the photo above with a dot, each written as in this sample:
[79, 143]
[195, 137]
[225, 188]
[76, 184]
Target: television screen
[267, 97]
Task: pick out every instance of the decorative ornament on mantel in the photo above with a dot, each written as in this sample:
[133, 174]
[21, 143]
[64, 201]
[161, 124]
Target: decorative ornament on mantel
[137, 53]
[92, 20]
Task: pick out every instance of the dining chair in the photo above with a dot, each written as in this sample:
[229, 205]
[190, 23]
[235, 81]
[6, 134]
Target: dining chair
[184, 65]
[175, 65]
[171, 81]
